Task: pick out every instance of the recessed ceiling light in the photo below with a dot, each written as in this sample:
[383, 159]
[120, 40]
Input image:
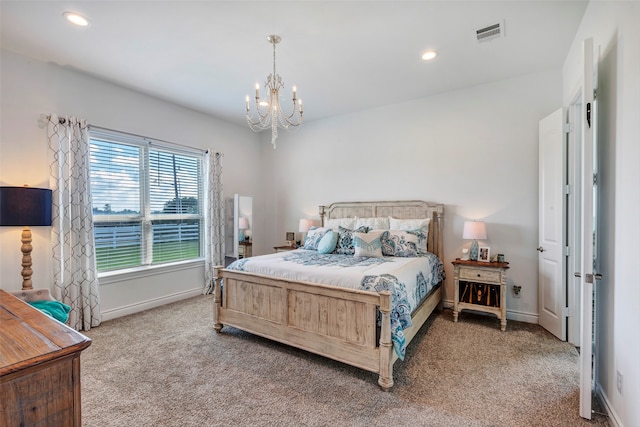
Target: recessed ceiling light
[429, 55]
[76, 19]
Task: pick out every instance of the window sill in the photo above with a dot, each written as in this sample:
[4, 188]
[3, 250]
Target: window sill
[109, 277]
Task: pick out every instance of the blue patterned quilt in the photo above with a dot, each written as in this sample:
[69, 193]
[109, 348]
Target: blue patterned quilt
[408, 279]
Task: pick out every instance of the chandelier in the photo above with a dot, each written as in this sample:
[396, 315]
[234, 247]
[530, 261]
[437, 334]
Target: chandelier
[268, 111]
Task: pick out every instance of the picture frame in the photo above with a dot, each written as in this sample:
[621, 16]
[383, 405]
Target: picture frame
[484, 254]
[291, 238]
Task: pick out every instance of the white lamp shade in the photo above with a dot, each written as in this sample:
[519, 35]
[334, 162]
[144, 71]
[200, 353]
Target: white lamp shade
[474, 230]
[304, 225]
[243, 223]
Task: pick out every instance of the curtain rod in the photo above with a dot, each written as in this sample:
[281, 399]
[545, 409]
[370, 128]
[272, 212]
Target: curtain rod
[63, 120]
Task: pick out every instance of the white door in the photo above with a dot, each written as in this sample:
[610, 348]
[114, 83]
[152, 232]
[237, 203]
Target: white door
[587, 273]
[551, 215]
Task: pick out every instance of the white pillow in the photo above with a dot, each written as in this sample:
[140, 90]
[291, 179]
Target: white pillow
[368, 244]
[334, 223]
[410, 224]
[373, 223]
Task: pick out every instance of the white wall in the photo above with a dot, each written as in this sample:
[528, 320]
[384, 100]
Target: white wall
[475, 150]
[31, 88]
[613, 25]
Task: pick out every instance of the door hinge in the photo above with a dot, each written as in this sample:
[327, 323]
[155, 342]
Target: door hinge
[567, 127]
[567, 251]
[566, 312]
[595, 178]
[567, 189]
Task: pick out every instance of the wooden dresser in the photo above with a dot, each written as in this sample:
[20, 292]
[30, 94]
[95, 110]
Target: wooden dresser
[39, 367]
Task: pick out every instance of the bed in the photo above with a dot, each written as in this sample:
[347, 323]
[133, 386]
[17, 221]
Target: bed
[356, 325]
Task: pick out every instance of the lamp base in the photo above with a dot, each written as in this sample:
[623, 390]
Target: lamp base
[26, 248]
[241, 235]
[473, 251]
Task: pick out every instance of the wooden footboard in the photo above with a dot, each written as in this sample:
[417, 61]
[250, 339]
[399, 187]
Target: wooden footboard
[337, 323]
[334, 322]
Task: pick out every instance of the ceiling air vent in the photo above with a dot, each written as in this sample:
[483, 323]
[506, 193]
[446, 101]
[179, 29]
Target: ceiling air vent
[490, 32]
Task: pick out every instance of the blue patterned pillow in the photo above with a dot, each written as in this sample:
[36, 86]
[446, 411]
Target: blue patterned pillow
[400, 243]
[314, 235]
[420, 226]
[422, 241]
[368, 244]
[345, 240]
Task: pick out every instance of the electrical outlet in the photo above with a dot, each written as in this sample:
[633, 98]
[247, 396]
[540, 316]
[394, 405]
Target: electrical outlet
[517, 290]
[619, 382]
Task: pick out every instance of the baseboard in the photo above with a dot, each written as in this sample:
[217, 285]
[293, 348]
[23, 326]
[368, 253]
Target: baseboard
[522, 317]
[148, 304]
[511, 315]
[614, 420]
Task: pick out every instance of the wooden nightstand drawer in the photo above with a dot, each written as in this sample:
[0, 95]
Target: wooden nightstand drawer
[480, 275]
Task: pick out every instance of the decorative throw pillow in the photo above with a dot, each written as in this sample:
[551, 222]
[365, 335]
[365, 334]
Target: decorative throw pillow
[417, 225]
[314, 235]
[368, 244]
[345, 240]
[349, 223]
[328, 242]
[400, 243]
[373, 223]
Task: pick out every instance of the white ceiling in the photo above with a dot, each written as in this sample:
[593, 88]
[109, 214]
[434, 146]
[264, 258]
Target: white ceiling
[343, 56]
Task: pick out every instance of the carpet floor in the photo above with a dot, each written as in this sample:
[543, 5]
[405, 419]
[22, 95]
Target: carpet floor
[168, 367]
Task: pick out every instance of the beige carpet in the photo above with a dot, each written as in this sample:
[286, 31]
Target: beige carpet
[168, 367]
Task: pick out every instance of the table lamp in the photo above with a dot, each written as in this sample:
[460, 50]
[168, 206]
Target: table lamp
[474, 230]
[243, 224]
[303, 226]
[24, 207]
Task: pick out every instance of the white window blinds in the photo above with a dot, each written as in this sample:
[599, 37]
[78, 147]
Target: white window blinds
[147, 201]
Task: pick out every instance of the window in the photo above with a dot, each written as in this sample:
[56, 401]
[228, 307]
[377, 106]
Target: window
[147, 201]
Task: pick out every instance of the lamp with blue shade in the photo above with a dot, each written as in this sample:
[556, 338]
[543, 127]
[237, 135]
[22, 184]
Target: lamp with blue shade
[24, 207]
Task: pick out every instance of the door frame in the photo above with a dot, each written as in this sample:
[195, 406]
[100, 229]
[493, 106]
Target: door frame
[573, 216]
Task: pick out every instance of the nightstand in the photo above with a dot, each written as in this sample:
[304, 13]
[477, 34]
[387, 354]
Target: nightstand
[284, 248]
[244, 249]
[480, 286]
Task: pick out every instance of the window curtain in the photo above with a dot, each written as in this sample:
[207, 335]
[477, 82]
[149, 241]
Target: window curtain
[75, 275]
[214, 218]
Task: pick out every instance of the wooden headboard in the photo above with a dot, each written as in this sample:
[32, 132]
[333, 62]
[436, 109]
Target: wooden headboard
[404, 209]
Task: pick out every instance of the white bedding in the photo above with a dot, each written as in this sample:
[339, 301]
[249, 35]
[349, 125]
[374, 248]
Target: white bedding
[409, 279]
[345, 270]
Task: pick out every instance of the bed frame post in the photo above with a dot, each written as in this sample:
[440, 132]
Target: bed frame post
[439, 250]
[217, 298]
[386, 369]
